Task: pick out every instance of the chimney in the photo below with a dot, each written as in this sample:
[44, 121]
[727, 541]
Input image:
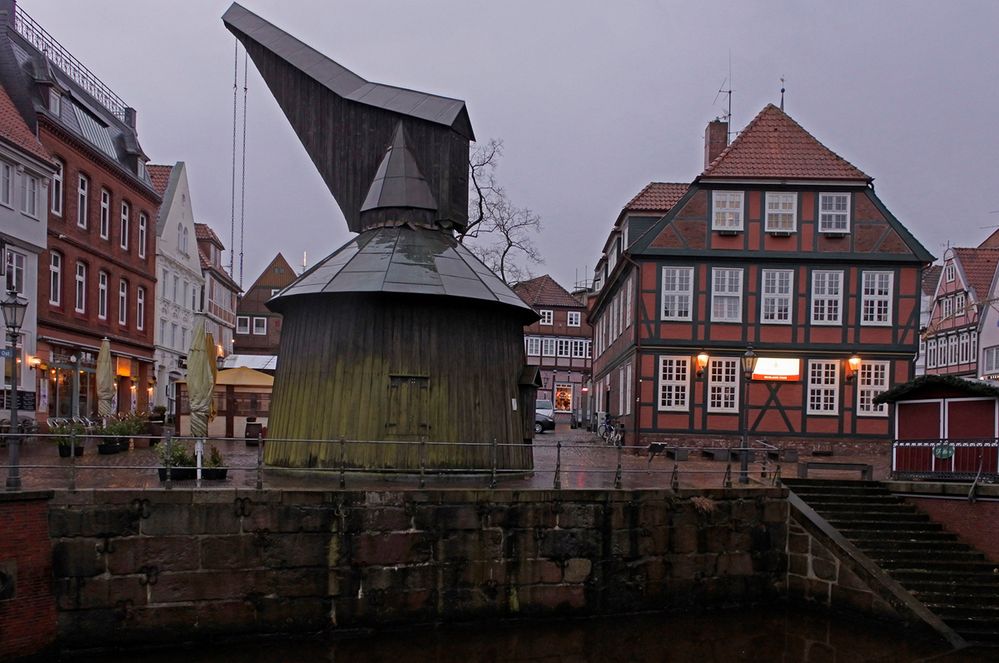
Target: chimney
[130, 116]
[7, 11]
[715, 140]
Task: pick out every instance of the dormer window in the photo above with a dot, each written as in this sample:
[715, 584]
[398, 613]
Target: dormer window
[55, 102]
[834, 213]
[726, 211]
[949, 273]
[140, 168]
[782, 213]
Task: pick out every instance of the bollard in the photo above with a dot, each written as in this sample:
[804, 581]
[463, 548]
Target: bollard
[168, 434]
[492, 481]
[343, 463]
[617, 473]
[260, 460]
[558, 466]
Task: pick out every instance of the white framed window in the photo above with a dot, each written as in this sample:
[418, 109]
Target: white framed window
[572, 318]
[55, 102]
[15, 271]
[140, 308]
[723, 385]
[102, 295]
[123, 235]
[947, 307]
[562, 346]
[974, 345]
[627, 302]
[548, 347]
[55, 278]
[81, 288]
[29, 195]
[123, 302]
[776, 303]
[546, 316]
[960, 303]
[950, 273]
[952, 351]
[782, 212]
[827, 297]
[143, 222]
[82, 198]
[834, 212]
[876, 296]
[726, 294]
[6, 184]
[579, 348]
[105, 228]
[243, 325]
[990, 359]
[57, 187]
[823, 387]
[678, 289]
[259, 326]
[674, 384]
[931, 353]
[726, 210]
[627, 389]
[873, 380]
[964, 348]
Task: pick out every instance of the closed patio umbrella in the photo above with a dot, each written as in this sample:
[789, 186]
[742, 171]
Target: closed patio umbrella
[200, 382]
[105, 380]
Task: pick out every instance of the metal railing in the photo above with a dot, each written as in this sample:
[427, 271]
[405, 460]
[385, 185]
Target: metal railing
[560, 465]
[946, 458]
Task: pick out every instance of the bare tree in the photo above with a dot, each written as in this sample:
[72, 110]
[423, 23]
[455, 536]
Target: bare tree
[498, 232]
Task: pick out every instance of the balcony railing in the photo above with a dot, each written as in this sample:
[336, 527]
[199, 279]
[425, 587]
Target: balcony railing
[956, 459]
[57, 54]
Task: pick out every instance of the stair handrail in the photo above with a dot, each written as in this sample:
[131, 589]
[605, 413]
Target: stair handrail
[974, 484]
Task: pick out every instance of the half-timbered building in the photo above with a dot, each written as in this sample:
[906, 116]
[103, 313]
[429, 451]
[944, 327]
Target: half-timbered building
[962, 292]
[779, 245]
[559, 344]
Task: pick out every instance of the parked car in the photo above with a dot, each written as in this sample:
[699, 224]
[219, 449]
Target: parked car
[543, 422]
[545, 407]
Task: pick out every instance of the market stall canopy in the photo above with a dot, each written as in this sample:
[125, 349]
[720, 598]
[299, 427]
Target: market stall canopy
[241, 377]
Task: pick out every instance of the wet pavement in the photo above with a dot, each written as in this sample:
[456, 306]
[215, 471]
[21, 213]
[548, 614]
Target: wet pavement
[582, 461]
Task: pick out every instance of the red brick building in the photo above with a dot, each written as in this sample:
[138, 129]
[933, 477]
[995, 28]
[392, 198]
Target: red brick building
[97, 277]
[779, 244]
[258, 329]
[560, 344]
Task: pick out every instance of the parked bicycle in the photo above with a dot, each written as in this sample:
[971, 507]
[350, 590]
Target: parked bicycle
[611, 431]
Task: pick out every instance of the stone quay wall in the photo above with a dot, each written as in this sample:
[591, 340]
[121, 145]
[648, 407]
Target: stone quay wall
[169, 566]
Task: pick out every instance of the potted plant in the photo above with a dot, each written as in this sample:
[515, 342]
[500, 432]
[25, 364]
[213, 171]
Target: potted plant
[182, 464]
[212, 469]
[157, 419]
[113, 436]
[69, 438]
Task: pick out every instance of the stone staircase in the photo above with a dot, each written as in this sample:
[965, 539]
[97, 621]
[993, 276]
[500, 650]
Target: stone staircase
[955, 581]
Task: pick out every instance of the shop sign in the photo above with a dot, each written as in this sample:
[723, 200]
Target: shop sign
[777, 369]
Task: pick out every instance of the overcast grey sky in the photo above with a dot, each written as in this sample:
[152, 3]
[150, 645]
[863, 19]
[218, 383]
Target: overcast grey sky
[593, 100]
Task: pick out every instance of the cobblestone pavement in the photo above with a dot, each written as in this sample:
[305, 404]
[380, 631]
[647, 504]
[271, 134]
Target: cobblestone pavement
[583, 461]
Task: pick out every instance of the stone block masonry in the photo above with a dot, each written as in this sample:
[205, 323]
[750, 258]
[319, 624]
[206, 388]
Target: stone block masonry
[169, 566]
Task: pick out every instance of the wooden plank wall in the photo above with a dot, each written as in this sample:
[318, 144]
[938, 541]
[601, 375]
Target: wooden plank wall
[334, 379]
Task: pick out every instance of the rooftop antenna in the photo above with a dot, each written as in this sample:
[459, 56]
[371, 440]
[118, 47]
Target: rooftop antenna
[727, 92]
[782, 93]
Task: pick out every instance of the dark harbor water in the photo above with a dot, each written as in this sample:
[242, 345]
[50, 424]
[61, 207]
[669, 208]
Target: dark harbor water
[783, 634]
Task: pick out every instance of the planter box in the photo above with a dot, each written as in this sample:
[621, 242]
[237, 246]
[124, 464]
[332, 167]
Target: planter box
[64, 450]
[178, 473]
[214, 473]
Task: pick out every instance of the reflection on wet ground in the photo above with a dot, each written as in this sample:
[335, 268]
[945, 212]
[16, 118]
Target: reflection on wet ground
[753, 634]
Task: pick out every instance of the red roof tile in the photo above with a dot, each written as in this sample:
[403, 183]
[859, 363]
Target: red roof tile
[15, 131]
[160, 176]
[931, 278]
[990, 242]
[775, 146]
[657, 197]
[545, 291]
[978, 265]
[203, 231]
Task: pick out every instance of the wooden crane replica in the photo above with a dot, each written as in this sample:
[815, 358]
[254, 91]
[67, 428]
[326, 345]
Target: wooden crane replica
[400, 336]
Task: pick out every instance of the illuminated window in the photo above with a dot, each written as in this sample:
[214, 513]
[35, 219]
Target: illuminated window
[727, 210]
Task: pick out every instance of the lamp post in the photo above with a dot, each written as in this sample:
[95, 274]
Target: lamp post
[748, 364]
[14, 307]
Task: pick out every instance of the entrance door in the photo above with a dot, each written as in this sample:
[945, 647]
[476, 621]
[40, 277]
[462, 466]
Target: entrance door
[409, 401]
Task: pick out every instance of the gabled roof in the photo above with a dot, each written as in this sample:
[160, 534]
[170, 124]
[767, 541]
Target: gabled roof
[773, 146]
[16, 132]
[657, 197]
[910, 390]
[159, 175]
[990, 242]
[270, 278]
[931, 278]
[978, 267]
[545, 291]
[203, 232]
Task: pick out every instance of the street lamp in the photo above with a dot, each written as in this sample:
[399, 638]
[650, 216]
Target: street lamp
[748, 364]
[14, 307]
